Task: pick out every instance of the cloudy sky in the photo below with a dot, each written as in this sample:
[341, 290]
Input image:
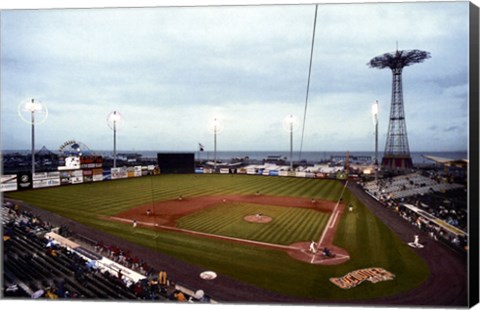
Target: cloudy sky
[171, 70]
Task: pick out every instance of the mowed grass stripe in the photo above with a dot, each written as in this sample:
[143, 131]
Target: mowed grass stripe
[264, 187]
[246, 262]
[275, 223]
[227, 219]
[308, 190]
[295, 220]
[330, 190]
[213, 220]
[310, 226]
[307, 225]
[288, 188]
[252, 187]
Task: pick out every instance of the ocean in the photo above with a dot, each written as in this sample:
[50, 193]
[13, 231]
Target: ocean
[308, 156]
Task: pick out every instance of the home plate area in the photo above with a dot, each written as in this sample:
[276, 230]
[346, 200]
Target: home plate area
[301, 251]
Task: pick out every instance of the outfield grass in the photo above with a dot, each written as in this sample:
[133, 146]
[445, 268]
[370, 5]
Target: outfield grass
[369, 242]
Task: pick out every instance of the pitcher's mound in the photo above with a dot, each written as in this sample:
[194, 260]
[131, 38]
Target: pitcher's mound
[257, 218]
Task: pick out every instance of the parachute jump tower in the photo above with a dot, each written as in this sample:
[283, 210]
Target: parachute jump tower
[397, 153]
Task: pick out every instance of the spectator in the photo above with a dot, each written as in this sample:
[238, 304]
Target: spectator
[162, 277]
[179, 296]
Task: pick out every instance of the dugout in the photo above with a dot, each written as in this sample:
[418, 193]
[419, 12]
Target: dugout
[170, 163]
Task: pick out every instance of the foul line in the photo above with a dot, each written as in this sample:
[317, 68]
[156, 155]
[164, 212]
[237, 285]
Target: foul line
[333, 218]
[330, 225]
[198, 233]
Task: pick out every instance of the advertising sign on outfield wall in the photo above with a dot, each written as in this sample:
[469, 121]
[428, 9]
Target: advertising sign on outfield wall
[224, 170]
[76, 177]
[119, 173]
[87, 175]
[137, 171]
[71, 177]
[9, 183]
[97, 177]
[97, 174]
[24, 181]
[130, 172]
[300, 174]
[46, 179]
[46, 183]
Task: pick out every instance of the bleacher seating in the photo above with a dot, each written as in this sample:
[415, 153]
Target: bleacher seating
[406, 186]
[40, 263]
[447, 202]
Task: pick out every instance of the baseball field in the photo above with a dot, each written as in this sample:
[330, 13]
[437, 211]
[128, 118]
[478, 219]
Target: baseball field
[255, 229]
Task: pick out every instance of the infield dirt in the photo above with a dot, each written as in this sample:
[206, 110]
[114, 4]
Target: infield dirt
[164, 214]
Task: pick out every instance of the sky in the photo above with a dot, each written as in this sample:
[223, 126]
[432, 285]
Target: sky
[170, 70]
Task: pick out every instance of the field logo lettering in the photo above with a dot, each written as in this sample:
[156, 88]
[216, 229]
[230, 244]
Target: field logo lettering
[354, 278]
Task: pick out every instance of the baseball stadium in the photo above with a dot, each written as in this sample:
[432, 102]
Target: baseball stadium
[233, 238]
[223, 224]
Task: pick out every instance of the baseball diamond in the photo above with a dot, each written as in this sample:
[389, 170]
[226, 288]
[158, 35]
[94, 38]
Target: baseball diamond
[241, 154]
[206, 230]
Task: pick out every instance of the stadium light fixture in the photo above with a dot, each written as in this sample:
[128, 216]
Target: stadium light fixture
[27, 110]
[289, 124]
[216, 127]
[114, 121]
[375, 123]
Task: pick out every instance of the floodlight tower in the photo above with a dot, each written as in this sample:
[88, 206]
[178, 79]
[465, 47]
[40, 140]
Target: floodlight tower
[289, 124]
[375, 123]
[114, 120]
[27, 111]
[397, 153]
[216, 126]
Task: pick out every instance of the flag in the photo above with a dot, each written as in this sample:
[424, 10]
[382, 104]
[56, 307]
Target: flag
[200, 147]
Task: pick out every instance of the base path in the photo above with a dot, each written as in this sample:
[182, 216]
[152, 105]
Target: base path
[163, 215]
[316, 255]
[446, 286]
[302, 252]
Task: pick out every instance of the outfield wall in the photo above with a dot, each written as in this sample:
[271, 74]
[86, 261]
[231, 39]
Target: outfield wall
[336, 174]
[25, 180]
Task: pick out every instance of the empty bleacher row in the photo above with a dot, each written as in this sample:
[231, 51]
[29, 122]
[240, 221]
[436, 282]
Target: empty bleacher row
[38, 263]
[406, 186]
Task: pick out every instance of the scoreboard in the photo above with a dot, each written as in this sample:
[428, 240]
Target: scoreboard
[176, 162]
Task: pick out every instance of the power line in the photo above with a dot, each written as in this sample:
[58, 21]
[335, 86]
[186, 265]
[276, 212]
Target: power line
[308, 82]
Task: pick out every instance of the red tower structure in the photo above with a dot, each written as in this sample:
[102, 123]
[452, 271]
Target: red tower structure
[397, 152]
